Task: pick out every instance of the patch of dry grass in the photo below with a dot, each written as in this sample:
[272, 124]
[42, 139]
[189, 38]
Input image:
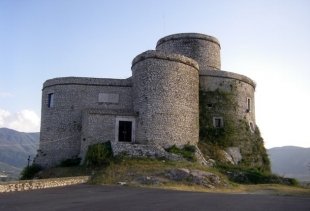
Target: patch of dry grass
[128, 169]
[58, 172]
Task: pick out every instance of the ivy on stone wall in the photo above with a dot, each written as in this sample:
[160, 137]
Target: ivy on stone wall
[234, 132]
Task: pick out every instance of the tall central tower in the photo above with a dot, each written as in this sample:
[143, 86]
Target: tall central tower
[204, 49]
[165, 88]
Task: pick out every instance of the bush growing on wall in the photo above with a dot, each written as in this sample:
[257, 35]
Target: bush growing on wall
[29, 172]
[99, 154]
[234, 133]
[188, 152]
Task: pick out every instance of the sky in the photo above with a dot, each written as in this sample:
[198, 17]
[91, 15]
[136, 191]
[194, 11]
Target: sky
[266, 40]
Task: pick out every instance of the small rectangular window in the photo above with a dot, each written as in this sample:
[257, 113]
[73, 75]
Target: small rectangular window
[209, 105]
[218, 122]
[51, 100]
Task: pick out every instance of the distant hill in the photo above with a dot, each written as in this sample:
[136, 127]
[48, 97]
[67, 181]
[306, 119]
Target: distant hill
[15, 147]
[8, 172]
[290, 161]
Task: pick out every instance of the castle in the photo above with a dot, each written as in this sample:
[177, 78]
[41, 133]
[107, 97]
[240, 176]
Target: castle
[155, 108]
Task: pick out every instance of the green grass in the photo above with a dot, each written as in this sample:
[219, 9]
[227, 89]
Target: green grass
[29, 172]
[125, 169]
[188, 152]
[245, 175]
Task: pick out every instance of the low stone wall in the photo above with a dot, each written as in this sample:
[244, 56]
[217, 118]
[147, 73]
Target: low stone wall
[141, 150]
[41, 183]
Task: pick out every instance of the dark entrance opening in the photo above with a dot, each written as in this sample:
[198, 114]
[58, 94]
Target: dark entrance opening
[125, 131]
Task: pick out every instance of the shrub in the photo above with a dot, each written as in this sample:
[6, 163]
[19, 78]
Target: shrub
[99, 154]
[245, 175]
[29, 172]
[188, 152]
[70, 162]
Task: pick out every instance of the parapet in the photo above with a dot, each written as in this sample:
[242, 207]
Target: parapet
[202, 48]
[165, 56]
[189, 36]
[231, 75]
[87, 81]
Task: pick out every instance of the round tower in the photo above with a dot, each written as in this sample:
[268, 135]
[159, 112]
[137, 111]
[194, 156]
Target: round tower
[165, 89]
[202, 48]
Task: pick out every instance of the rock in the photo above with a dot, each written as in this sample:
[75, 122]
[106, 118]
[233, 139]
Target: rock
[212, 161]
[195, 176]
[179, 174]
[227, 157]
[234, 152]
[202, 159]
[121, 183]
[145, 180]
[204, 178]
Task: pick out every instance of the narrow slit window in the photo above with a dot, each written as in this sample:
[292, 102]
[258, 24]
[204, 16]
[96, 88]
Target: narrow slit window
[51, 100]
[252, 127]
[249, 104]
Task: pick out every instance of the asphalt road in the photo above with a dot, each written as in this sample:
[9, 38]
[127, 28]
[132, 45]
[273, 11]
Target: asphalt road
[97, 197]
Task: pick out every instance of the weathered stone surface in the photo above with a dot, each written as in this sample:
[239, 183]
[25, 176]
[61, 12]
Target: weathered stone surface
[234, 152]
[226, 157]
[165, 92]
[211, 80]
[145, 180]
[41, 183]
[108, 98]
[179, 174]
[160, 100]
[202, 48]
[197, 177]
[141, 150]
[204, 178]
[201, 159]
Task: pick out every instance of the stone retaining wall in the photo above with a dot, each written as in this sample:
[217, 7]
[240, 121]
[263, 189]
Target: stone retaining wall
[142, 151]
[41, 183]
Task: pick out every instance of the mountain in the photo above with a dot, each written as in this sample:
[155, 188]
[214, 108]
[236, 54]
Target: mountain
[8, 172]
[15, 147]
[290, 161]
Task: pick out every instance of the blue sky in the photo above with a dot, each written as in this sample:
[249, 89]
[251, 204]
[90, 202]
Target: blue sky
[266, 40]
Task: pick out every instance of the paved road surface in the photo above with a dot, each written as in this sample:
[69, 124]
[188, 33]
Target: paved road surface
[110, 198]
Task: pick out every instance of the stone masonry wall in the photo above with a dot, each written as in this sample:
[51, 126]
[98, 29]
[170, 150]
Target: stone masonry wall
[61, 124]
[142, 151]
[99, 127]
[161, 99]
[204, 49]
[165, 89]
[245, 88]
[23, 185]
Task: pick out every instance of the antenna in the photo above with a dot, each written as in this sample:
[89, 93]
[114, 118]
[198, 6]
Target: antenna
[164, 24]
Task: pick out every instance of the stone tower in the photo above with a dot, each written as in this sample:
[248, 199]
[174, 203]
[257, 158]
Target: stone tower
[165, 87]
[156, 108]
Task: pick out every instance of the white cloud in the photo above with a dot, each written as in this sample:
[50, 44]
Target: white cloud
[5, 94]
[23, 121]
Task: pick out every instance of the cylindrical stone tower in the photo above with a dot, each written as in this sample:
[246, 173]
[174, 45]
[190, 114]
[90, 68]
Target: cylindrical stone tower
[165, 89]
[202, 48]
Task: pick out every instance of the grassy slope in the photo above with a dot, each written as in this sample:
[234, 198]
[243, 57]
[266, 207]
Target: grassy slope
[129, 170]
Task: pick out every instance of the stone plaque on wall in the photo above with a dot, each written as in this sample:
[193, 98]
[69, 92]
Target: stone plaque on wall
[108, 98]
